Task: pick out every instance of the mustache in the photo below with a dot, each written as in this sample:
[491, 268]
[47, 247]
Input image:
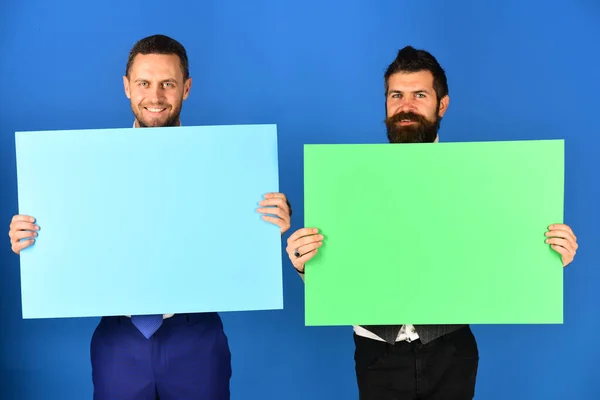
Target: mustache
[405, 116]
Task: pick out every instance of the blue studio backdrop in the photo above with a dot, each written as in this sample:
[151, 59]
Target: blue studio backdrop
[516, 70]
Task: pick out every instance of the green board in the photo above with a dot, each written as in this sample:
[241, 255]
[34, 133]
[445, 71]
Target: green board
[442, 233]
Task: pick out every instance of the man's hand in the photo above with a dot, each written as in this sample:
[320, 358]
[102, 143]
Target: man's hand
[302, 246]
[276, 204]
[562, 239]
[22, 227]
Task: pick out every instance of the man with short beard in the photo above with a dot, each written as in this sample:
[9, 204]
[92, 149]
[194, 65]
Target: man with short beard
[422, 361]
[172, 356]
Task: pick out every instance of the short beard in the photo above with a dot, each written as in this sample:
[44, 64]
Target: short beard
[171, 121]
[424, 131]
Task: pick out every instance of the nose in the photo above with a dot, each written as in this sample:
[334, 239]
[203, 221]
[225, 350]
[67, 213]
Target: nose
[156, 94]
[406, 104]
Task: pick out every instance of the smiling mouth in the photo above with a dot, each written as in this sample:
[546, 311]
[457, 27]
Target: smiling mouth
[155, 110]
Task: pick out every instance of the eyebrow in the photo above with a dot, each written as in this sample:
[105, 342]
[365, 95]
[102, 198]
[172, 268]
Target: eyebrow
[162, 81]
[414, 91]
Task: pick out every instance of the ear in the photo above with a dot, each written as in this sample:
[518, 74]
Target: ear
[444, 105]
[126, 87]
[187, 86]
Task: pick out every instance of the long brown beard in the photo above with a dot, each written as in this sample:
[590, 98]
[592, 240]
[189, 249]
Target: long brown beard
[423, 131]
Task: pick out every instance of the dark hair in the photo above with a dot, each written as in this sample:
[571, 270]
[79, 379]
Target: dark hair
[410, 59]
[159, 44]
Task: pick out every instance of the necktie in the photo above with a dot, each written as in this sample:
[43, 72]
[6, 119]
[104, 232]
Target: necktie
[147, 324]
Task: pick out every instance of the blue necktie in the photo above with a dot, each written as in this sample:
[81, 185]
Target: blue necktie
[147, 324]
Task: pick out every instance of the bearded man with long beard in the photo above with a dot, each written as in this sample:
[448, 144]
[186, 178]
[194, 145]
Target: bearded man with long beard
[426, 362]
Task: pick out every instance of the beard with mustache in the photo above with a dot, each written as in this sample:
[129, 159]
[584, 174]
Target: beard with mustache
[422, 131]
[171, 120]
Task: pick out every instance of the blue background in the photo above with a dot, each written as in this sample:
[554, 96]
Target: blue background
[516, 71]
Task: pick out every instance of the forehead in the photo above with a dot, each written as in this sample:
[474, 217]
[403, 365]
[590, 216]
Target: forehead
[160, 66]
[410, 81]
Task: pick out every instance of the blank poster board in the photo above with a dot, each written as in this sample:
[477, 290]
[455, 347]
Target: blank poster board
[442, 233]
[153, 220]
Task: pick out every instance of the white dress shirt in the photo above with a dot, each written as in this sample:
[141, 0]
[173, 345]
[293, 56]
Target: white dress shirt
[407, 333]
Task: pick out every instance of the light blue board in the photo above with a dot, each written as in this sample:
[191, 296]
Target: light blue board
[152, 220]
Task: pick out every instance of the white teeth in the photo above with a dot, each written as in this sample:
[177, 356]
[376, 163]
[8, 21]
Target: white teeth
[155, 109]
